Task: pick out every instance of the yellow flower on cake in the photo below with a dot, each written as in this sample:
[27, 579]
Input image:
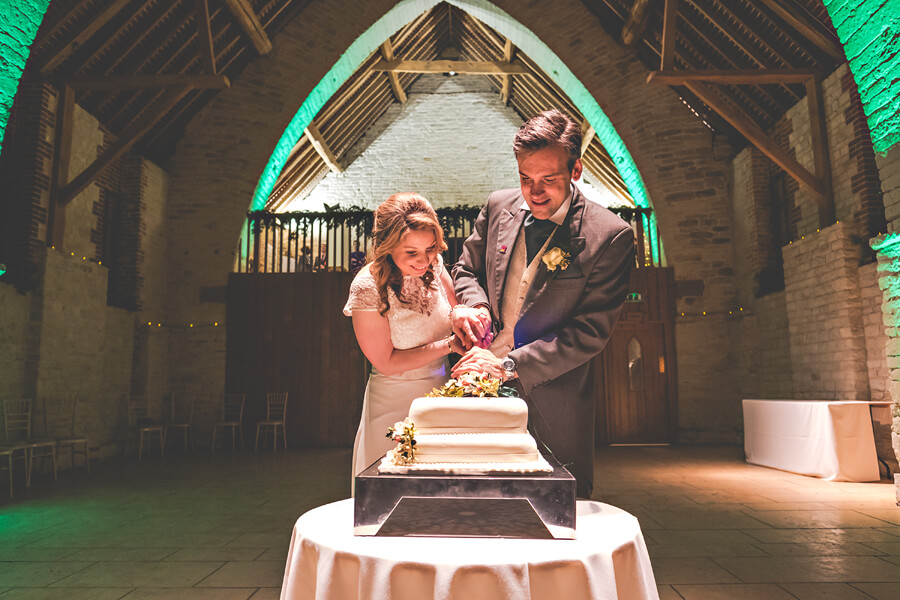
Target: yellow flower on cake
[556, 258]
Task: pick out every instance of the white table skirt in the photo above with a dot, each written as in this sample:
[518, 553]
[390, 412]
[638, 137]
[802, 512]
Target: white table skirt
[608, 560]
[831, 440]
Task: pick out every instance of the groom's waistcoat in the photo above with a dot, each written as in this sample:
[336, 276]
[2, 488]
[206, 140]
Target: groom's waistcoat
[519, 276]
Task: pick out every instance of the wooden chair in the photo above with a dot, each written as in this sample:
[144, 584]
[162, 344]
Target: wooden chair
[140, 423]
[232, 418]
[17, 422]
[7, 455]
[64, 435]
[181, 417]
[276, 408]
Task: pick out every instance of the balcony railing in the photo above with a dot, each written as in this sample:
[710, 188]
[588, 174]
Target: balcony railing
[296, 242]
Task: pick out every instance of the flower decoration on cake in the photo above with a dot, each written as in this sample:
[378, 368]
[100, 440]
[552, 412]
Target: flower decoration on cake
[404, 433]
[471, 385]
[556, 258]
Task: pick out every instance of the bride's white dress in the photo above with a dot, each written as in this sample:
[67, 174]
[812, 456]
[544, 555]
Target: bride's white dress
[423, 319]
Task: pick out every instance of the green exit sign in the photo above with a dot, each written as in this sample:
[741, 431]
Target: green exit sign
[634, 297]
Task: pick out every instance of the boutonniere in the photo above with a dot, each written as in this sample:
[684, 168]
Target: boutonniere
[556, 258]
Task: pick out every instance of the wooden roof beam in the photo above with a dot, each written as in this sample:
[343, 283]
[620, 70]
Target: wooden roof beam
[735, 76]
[128, 138]
[822, 41]
[318, 142]
[462, 67]
[758, 138]
[204, 36]
[667, 44]
[388, 52]
[636, 23]
[587, 134]
[249, 22]
[505, 85]
[146, 82]
[84, 35]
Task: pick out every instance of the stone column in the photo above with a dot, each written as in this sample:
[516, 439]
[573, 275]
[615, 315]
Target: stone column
[888, 249]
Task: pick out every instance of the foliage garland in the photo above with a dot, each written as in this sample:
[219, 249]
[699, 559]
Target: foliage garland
[450, 218]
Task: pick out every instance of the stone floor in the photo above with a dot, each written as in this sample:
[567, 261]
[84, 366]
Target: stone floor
[194, 528]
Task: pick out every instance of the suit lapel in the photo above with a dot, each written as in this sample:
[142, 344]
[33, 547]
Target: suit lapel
[509, 224]
[568, 237]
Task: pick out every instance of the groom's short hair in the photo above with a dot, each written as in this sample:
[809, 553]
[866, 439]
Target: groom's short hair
[549, 128]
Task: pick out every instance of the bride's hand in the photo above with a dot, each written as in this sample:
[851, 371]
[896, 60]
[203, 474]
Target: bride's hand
[456, 346]
[470, 324]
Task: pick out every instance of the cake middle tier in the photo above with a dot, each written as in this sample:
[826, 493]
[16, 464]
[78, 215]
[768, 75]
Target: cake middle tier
[469, 415]
[475, 448]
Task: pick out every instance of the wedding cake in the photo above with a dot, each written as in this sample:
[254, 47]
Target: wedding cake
[449, 432]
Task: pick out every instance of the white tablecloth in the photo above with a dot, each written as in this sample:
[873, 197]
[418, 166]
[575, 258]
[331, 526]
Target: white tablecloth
[831, 440]
[608, 560]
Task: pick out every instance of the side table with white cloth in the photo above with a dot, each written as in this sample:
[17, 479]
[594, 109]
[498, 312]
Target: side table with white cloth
[607, 560]
[831, 440]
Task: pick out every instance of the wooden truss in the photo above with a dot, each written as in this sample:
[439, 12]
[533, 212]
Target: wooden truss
[698, 82]
[176, 86]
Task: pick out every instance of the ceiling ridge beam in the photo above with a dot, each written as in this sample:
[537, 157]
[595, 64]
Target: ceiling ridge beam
[249, 22]
[462, 67]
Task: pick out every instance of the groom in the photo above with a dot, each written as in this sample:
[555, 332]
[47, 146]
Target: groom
[550, 269]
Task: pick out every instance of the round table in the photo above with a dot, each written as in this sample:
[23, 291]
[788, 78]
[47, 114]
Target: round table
[607, 560]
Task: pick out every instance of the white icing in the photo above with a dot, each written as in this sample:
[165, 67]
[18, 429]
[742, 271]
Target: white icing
[445, 415]
[476, 447]
[471, 436]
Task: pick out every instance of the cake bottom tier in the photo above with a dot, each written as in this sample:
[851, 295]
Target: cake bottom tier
[475, 448]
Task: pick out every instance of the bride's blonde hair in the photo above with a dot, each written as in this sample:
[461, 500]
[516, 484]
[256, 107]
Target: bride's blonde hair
[394, 217]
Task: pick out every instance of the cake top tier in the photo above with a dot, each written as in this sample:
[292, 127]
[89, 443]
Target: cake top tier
[469, 415]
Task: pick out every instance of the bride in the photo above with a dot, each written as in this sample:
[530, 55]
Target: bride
[404, 313]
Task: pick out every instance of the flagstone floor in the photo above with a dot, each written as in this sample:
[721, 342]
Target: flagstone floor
[197, 528]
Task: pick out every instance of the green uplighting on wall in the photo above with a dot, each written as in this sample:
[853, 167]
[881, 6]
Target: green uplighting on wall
[870, 33]
[19, 22]
[503, 23]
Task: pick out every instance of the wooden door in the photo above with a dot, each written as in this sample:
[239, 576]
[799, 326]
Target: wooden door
[286, 333]
[635, 376]
[637, 408]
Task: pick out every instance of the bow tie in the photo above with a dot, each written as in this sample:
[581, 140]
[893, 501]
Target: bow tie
[536, 233]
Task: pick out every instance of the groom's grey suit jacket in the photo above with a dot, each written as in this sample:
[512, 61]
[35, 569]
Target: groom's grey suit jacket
[566, 318]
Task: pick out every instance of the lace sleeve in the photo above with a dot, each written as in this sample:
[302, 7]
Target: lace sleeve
[363, 294]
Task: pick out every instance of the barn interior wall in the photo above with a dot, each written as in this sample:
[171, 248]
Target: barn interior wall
[822, 336]
[61, 336]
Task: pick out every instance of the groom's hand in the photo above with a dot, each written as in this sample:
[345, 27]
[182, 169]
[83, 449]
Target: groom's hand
[479, 360]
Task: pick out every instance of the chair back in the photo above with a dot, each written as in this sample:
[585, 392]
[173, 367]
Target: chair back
[17, 420]
[182, 408]
[276, 406]
[138, 411]
[58, 415]
[233, 408]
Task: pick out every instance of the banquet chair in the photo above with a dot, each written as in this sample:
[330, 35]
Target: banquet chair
[6, 455]
[276, 408]
[232, 418]
[17, 422]
[140, 423]
[64, 434]
[181, 417]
